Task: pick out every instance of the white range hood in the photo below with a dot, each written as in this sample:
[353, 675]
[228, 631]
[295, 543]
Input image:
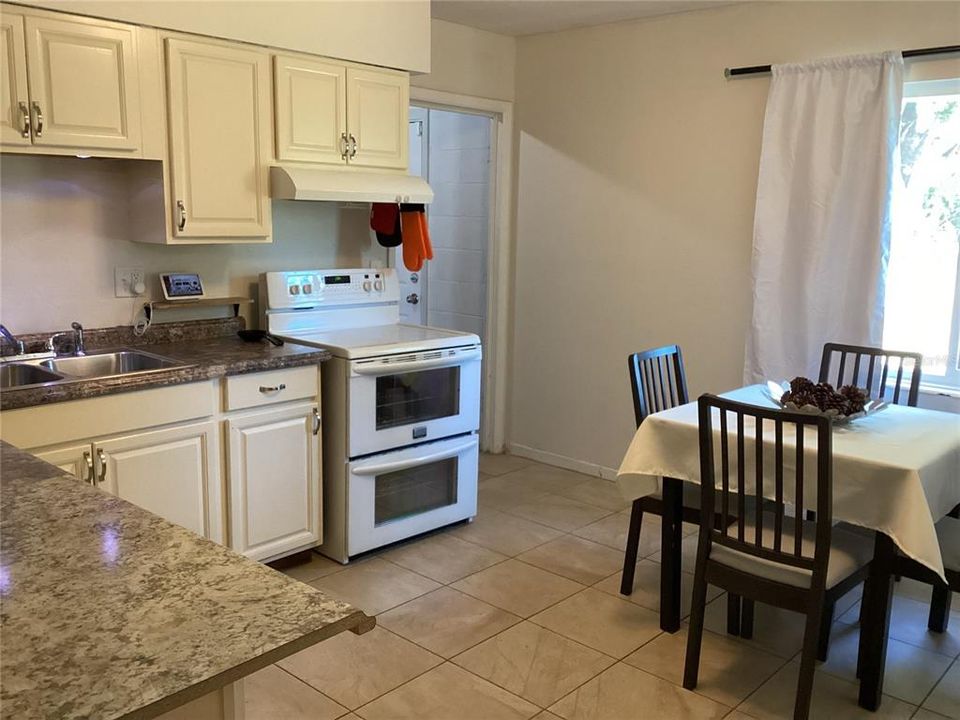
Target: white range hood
[289, 182]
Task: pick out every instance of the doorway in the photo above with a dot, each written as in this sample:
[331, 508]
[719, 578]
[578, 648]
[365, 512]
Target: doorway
[452, 151]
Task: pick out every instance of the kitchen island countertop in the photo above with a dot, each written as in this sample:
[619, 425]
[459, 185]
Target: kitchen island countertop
[109, 611]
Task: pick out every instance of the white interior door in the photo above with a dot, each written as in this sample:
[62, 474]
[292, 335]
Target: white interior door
[413, 285]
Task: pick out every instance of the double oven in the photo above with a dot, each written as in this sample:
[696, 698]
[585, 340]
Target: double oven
[401, 414]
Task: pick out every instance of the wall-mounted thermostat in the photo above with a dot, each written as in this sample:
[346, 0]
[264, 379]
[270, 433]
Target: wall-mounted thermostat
[181, 286]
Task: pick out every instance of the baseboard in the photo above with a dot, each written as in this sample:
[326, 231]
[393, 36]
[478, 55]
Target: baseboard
[568, 463]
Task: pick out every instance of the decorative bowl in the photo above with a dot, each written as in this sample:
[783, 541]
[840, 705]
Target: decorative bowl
[776, 390]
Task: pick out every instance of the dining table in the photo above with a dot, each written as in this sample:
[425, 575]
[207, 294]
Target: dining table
[896, 472]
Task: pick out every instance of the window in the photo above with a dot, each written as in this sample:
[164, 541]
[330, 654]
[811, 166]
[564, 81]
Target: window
[922, 300]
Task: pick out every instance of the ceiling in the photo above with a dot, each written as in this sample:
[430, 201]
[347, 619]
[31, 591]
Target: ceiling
[528, 17]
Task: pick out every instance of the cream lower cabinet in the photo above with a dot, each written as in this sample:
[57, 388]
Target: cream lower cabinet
[76, 459]
[172, 472]
[274, 470]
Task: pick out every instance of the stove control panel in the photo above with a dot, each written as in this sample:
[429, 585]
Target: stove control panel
[313, 288]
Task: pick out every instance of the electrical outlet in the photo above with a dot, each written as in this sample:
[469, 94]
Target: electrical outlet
[126, 280]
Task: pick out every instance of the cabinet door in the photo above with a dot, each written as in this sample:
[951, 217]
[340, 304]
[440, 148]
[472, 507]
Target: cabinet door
[174, 473]
[311, 110]
[84, 84]
[275, 481]
[378, 105]
[219, 105]
[14, 102]
[74, 459]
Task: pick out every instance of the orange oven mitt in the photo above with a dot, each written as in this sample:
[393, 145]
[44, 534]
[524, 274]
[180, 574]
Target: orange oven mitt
[416, 238]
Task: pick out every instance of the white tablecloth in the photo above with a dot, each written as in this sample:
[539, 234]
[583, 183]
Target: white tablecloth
[897, 471]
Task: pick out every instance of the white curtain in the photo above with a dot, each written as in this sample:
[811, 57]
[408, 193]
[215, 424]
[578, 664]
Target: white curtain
[822, 226]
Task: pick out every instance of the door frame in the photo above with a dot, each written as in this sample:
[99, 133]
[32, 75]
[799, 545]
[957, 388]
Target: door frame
[499, 255]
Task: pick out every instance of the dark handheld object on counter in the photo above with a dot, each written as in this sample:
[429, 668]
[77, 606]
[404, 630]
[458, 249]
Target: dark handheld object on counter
[258, 335]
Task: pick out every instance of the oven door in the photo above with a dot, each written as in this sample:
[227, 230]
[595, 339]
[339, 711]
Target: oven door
[400, 400]
[406, 492]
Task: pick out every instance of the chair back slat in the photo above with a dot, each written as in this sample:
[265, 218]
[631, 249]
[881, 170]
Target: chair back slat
[781, 541]
[900, 363]
[658, 380]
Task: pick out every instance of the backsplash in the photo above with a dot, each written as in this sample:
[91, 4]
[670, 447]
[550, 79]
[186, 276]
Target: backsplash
[64, 227]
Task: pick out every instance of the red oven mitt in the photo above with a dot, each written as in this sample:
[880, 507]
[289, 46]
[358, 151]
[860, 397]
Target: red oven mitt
[413, 247]
[385, 221]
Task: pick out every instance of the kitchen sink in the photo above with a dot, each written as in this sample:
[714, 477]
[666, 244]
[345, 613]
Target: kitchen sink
[13, 375]
[108, 364]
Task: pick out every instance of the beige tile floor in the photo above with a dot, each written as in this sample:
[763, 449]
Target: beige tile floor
[518, 615]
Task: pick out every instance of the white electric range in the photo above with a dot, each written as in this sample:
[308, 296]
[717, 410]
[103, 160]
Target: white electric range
[401, 406]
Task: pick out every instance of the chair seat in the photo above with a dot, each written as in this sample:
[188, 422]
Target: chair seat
[849, 552]
[691, 496]
[948, 533]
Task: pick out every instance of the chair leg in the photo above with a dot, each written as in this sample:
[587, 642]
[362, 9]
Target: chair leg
[746, 619]
[691, 668]
[808, 663]
[939, 608]
[955, 513]
[826, 623]
[633, 547]
[733, 614]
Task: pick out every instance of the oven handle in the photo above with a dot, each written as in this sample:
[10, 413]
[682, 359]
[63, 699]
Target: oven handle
[388, 368]
[397, 465]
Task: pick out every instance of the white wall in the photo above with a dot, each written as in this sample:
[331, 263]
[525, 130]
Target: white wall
[64, 227]
[390, 33]
[459, 161]
[468, 61]
[635, 195]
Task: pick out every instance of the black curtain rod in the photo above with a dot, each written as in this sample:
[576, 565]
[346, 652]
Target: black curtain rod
[921, 52]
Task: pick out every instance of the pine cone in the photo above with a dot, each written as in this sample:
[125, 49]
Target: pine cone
[801, 385]
[857, 398]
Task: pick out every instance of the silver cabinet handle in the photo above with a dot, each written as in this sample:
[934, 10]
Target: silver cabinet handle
[91, 478]
[181, 215]
[353, 146]
[272, 388]
[344, 146]
[37, 119]
[101, 458]
[24, 120]
[316, 421]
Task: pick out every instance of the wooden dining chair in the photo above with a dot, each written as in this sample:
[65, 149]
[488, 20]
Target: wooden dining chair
[948, 533]
[764, 555]
[873, 368]
[659, 382]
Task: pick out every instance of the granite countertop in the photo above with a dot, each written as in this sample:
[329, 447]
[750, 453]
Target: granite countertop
[214, 352]
[109, 611]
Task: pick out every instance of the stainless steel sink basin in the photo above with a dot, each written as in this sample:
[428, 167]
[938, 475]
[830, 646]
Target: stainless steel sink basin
[14, 375]
[96, 365]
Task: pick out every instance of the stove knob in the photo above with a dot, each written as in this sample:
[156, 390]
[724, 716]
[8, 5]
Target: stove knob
[366, 286]
[378, 285]
[294, 289]
[307, 289]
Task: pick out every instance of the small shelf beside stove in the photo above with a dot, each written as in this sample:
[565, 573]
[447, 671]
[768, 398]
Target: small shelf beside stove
[149, 307]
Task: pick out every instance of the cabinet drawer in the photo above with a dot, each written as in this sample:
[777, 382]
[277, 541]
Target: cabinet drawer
[266, 388]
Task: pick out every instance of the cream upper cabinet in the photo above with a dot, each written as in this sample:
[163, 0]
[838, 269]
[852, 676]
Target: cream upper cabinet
[14, 100]
[219, 122]
[378, 108]
[172, 472]
[311, 110]
[84, 83]
[275, 498]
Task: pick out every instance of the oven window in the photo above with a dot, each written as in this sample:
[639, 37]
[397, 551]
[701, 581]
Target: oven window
[409, 398]
[409, 492]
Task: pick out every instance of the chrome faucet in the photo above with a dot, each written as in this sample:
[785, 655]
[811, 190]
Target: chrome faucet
[78, 345]
[18, 344]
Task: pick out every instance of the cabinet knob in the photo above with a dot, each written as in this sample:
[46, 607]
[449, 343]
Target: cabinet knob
[272, 388]
[181, 215]
[353, 146]
[316, 421]
[101, 458]
[91, 478]
[344, 146]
